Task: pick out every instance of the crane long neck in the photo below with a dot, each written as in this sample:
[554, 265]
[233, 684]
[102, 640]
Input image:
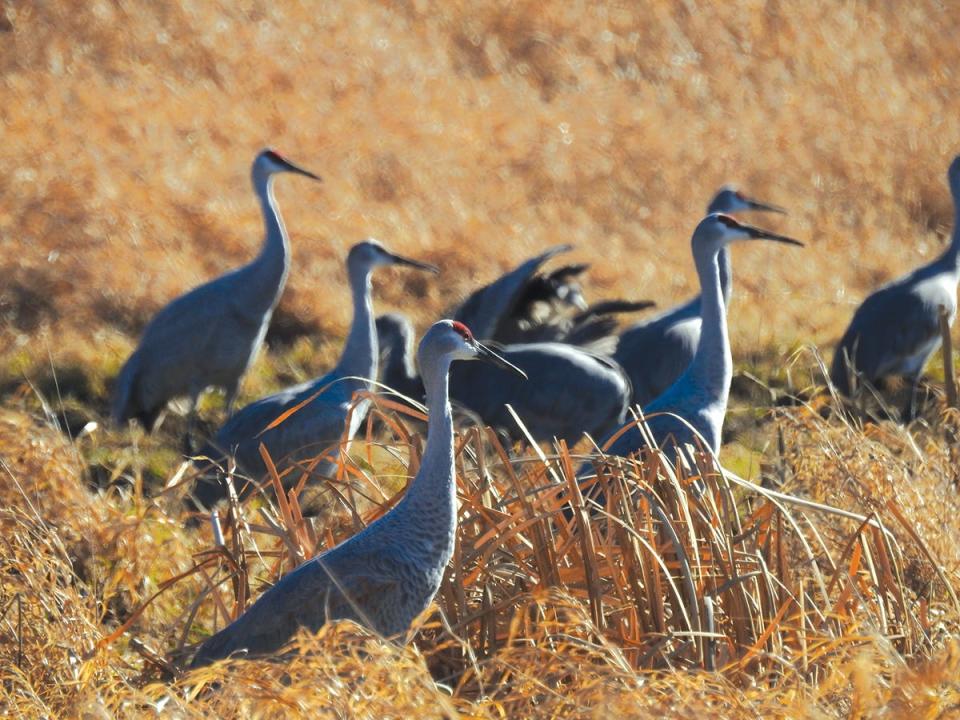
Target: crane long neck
[268, 272]
[360, 352]
[434, 489]
[951, 256]
[712, 364]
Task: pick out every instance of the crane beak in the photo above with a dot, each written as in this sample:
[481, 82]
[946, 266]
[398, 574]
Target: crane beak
[485, 354]
[300, 171]
[400, 260]
[756, 233]
[762, 206]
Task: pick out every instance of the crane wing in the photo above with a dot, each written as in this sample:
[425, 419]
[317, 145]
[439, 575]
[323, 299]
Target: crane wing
[318, 590]
[187, 323]
[483, 310]
[568, 391]
[891, 330]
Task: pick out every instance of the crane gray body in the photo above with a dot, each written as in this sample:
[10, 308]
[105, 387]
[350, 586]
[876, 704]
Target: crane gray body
[210, 335]
[387, 574]
[897, 328]
[570, 392]
[656, 352]
[321, 422]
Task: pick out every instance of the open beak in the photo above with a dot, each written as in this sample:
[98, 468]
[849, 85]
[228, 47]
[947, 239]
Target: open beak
[762, 206]
[300, 171]
[400, 260]
[758, 234]
[487, 355]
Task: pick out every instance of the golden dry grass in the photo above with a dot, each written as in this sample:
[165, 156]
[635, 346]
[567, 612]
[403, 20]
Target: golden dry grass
[472, 135]
[813, 614]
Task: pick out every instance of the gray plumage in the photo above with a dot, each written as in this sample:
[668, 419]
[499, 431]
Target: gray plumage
[896, 329]
[210, 336]
[570, 392]
[656, 351]
[388, 573]
[320, 423]
[699, 395]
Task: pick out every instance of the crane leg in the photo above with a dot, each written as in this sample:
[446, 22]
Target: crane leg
[191, 423]
[910, 411]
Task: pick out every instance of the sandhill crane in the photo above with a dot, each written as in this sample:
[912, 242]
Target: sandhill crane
[570, 392]
[656, 351]
[896, 329]
[699, 395]
[209, 336]
[320, 422]
[387, 574]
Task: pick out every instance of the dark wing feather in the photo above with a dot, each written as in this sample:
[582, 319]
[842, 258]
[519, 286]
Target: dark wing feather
[305, 598]
[486, 307]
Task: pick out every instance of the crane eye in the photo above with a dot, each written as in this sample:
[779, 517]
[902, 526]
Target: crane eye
[462, 330]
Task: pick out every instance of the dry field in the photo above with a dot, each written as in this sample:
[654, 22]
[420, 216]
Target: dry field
[471, 135]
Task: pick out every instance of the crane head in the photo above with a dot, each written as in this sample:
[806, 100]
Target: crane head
[273, 162]
[718, 230]
[453, 339]
[371, 253]
[730, 200]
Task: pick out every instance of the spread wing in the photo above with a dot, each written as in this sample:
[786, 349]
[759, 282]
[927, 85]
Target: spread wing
[485, 308]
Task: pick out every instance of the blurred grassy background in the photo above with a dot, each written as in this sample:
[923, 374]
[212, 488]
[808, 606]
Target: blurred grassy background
[471, 134]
